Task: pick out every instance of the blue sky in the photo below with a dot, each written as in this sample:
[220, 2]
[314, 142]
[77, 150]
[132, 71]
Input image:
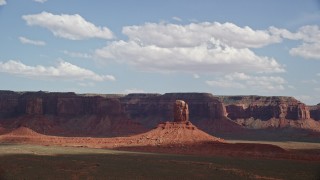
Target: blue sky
[225, 47]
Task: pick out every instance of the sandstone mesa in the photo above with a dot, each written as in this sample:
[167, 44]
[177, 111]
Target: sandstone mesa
[70, 114]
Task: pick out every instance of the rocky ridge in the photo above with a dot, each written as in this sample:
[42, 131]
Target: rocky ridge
[178, 132]
[260, 112]
[71, 114]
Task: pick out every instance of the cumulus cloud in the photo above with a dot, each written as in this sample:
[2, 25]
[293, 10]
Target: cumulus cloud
[244, 81]
[77, 54]
[310, 35]
[40, 1]
[73, 27]
[63, 70]
[194, 34]
[3, 2]
[212, 56]
[177, 18]
[225, 84]
[25, 40]
[307, 51]
[196, 48]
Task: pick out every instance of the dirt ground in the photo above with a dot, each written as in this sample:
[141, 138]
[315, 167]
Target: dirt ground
[23, 161]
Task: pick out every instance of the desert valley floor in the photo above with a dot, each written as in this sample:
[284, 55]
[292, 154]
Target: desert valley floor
[25, 153]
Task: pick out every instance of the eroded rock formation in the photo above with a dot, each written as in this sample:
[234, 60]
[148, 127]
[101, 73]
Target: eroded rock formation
[315, 112]
[259, 112]
[265, 108]
[151, 109]
[113, 115]
[181, 111]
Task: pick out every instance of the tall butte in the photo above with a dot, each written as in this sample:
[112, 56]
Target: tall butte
[180, 131]
[181, 111]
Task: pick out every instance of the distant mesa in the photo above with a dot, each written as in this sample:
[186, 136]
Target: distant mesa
[112, 115]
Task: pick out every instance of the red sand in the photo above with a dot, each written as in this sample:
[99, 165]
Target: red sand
[180, 138]
[165, 134]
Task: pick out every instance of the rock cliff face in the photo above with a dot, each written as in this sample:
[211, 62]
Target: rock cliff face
[181, 111]
[113, 115]
[9, 100]
[151, 109]
[315, 112]
[66, 113]
[265, 108]
[34, 106]
[260, 112]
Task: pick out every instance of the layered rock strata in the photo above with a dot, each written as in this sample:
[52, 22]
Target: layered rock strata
[112, 114]
[181, 111]
[259, 112]
[315, 112]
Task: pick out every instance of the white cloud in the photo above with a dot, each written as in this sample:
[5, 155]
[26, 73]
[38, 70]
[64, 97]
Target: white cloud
[307, 51]
[244, 81]
[3, 2]
[195, 34]
[225, 84]
[73, 27]
[25, 40]
[177, 18]
[201, 47]
[40, 1]
[310, 35]
[237, 76]
[63, 70]
[133, 90]
[211, 56]
[77, 54]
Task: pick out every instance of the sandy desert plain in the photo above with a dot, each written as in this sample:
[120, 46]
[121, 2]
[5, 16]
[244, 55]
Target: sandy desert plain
[31, 161]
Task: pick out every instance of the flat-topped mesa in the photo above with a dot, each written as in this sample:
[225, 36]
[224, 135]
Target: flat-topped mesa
[181, 111]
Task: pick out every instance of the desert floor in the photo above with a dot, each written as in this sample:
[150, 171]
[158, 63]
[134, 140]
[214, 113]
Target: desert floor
[23, 161]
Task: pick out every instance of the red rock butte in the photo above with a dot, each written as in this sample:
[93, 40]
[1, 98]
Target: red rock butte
[180, 131]
[181, 111]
